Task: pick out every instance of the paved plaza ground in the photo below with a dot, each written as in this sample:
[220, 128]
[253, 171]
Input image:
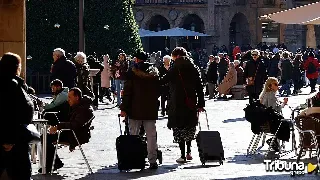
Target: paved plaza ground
[224, 116]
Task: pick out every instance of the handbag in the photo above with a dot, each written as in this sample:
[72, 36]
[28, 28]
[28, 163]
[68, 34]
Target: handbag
[188, 101]
[250, 82]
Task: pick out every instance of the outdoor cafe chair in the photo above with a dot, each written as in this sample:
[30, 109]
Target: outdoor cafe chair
[80, 147]
[308, 128]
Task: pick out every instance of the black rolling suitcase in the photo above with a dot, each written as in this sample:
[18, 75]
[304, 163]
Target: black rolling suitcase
[209, 145]
[130, 150]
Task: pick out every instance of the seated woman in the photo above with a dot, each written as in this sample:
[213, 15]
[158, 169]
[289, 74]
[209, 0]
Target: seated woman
[269, 99]
[228, 82]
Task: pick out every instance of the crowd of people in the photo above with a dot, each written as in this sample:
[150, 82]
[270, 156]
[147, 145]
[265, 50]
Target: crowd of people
[136, 84]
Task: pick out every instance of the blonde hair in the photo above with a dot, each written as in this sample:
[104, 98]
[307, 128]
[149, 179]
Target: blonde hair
[267, 86]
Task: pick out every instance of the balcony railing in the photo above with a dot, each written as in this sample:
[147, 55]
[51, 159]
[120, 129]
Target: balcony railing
[169, 2]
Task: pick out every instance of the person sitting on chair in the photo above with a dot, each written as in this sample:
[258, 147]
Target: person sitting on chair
[80, 114]
[59, 103]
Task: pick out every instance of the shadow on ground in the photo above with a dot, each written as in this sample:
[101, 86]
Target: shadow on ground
[280, 176]
[234, 120]
[112, 173]
[49, 177]
[244, 159]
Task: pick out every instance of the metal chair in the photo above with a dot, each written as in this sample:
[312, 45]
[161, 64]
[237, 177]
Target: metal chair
[266, 131]
[308, 128]
[80, 147]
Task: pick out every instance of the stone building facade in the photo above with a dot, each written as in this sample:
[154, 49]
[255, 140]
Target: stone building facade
[228, 22]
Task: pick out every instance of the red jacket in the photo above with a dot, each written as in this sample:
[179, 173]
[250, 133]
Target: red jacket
[316, 63]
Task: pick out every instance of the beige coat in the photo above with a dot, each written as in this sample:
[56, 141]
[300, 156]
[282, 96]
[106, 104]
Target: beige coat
[229, 80]
[106, 73]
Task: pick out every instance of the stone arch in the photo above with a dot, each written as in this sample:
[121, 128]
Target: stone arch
[157, 23]
[239, 30]
[193, 22]
[150, 16]
[184, 15]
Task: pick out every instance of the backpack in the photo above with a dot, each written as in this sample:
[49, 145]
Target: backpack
[311, 68]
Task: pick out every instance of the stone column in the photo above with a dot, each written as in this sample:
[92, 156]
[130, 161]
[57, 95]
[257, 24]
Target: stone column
[311, 36]
[210, 30]
[13, 29]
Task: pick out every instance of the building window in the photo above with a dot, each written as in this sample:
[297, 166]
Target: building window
[269, 2]
[270, 32]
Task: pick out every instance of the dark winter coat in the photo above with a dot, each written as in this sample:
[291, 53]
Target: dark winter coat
[223, 66]
[179, 114]
[83, 78]
[257, 70]
[240, 75]
[273, 69]
[119, 69]
[79, 115]
[162, 72]
[297, 70]
[96, 65]
[286, 70]
[140, 94]
[212, 74]
[64, 70]
[16, 108]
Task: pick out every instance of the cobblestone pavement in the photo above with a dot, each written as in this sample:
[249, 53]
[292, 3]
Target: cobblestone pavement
[224, 116]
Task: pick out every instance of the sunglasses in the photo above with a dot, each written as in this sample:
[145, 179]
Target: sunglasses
[254, 54]
[276, 84]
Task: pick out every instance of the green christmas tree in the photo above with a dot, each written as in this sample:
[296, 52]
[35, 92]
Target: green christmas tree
[50, 24]
[109, 26]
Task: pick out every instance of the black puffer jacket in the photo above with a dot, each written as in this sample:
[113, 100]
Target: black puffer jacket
[16, 108]
[180, 115]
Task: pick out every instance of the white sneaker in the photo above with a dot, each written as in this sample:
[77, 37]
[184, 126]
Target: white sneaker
[181, 160]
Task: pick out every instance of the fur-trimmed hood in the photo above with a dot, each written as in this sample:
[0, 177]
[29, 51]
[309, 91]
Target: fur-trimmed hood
[151, 72]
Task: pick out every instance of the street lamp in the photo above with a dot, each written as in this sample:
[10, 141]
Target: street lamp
[29, 57]
[193, 27]
[57, 25]
[106, 27]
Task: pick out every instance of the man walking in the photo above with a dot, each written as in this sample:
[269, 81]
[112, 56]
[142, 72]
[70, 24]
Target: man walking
[140, 103]
[63, 69]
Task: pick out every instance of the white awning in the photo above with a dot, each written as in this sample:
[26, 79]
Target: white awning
[315, 21]
[306, 14]
[176, 32]
[144, 32]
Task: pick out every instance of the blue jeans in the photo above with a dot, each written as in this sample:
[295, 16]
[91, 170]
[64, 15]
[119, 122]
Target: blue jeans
[286, 87]
[119, 87]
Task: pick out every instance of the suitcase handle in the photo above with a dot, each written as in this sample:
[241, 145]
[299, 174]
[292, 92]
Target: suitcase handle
[198, 113]
[126, 131]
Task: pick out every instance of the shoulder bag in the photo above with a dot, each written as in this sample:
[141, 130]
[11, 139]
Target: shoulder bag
[189, 102]
[250, 82]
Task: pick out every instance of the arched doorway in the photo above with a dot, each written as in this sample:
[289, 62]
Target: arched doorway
[239, 32]
[194, 23]
[158, 23]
